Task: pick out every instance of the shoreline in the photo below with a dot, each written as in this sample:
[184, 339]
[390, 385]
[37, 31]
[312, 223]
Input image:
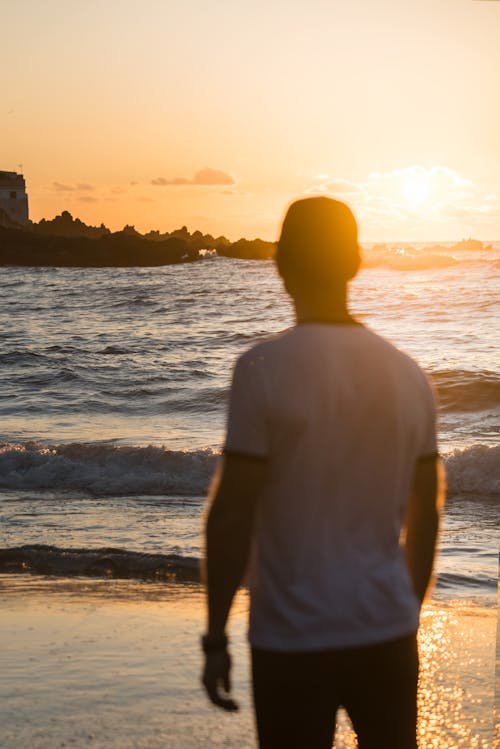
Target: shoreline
[113, 663]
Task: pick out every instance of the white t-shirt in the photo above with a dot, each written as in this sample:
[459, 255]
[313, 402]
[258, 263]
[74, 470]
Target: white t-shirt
[341, 417]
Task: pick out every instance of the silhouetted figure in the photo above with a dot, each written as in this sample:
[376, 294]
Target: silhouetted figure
[328, 497]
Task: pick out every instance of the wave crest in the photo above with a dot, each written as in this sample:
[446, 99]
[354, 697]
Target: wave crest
[461, 390]
[113, 563]
[112, 470]
[475, 470]
[103, 469]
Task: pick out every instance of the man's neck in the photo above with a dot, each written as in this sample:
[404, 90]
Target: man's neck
[329, 309]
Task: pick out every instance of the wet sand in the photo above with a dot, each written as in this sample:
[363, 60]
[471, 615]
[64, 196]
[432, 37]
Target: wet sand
[115, 664]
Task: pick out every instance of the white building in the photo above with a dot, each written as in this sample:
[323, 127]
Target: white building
[13, 198]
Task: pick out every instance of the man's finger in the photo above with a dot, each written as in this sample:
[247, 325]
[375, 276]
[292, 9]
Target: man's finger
[226, 703]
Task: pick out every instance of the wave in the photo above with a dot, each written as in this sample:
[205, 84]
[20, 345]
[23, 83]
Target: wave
[461, 390]
[427, 258]
[199, 401]
[114, 563]
[475, 470]
[115, 351]
[107, 562]
[454, 581]
[17, 357]
[399, 259]
[141, 300]
[105, 469]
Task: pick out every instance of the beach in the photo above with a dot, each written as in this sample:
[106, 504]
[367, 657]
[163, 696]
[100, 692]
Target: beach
[92, 663]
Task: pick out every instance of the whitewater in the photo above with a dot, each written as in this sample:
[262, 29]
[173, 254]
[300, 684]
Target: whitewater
[114, 389]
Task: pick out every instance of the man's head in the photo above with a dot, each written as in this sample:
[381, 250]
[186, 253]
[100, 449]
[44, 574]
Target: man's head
[318, 247]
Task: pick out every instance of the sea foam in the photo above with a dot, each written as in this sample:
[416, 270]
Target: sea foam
[115, 470]
[475, 470]
[103, 469]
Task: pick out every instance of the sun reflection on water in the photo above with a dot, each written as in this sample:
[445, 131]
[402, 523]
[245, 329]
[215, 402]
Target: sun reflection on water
[456, 687]
[456, 691]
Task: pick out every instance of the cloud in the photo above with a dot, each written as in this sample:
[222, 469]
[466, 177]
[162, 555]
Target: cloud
[490, 209]
[325, 184]
[208, 176]
[62, 188]
[162, 182]
[343, 187]
[87, 199]
[454, 211]
[316, 190]
[440, 182]
[82, 186]
[436, 193]
[413, 202]
[204, 177]
[334, 190]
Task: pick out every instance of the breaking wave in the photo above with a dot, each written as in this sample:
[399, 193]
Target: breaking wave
[428, 257]
[475, 470]
[111, 470]
[112, 563]
[400, 259]
[103, 469]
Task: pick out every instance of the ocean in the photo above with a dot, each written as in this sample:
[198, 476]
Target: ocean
[113, 399]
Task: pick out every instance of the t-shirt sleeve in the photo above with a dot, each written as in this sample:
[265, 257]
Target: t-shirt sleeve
[247, 432]
[428, 442]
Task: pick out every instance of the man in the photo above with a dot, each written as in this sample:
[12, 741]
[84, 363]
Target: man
[328, 498]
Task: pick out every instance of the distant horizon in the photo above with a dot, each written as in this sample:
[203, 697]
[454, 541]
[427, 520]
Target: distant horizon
[415, 184]
[191, 230]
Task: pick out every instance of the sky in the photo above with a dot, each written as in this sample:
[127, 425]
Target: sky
[215, 115]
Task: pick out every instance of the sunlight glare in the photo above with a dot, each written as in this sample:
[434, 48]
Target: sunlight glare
[416, 190]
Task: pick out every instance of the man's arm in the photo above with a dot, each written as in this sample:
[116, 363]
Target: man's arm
[229, 527]
[426, 501]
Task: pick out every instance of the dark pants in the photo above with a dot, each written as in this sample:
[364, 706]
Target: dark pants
[297, 695]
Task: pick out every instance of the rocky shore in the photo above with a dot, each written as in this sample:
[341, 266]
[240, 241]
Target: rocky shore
[68, 242]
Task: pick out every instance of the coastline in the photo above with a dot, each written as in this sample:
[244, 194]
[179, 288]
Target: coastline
[113, 663]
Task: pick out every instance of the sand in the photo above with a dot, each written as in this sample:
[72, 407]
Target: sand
[115, 664]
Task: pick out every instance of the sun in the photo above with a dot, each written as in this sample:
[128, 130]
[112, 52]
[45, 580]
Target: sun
[416, 190]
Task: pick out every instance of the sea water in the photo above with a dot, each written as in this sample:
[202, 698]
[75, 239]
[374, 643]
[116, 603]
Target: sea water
[113, 399]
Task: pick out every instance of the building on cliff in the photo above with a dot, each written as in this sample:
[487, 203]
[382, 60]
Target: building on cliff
[13, 199]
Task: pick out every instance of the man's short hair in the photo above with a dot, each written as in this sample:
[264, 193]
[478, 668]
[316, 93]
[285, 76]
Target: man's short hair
[318, 245]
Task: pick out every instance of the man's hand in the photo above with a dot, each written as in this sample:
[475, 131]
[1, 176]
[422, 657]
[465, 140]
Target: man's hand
[229, 529]
[217, 681]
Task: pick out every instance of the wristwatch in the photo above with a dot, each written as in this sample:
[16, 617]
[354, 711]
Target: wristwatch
[214, 643]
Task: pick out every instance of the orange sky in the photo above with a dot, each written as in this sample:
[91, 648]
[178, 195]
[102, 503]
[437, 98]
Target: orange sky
[215, 115]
